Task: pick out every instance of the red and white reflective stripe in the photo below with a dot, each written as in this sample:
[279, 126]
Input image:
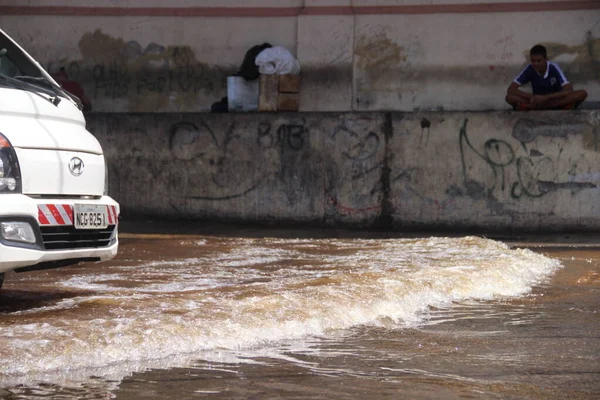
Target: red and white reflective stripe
[62, 214]
[113, 218]
[55, 214]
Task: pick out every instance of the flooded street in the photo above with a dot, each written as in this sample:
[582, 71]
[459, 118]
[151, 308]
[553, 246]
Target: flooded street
[297, 314]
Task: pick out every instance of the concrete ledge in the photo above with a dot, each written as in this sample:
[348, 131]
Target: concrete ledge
[488, 171]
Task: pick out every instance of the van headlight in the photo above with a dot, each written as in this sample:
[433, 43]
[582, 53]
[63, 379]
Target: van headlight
[17, 231]
[10, 174]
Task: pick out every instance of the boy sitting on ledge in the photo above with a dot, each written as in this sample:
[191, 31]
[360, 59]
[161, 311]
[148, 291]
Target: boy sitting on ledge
[551, 89]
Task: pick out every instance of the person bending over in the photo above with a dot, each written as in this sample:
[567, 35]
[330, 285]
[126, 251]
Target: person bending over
[551, 88]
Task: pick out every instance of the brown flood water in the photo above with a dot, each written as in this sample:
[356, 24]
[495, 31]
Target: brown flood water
[259, 314]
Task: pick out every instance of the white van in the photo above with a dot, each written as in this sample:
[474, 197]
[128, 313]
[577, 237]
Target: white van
[54, 208]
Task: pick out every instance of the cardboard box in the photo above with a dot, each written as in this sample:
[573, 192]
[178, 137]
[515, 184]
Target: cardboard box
[288, 102]
[268, 92]
[289, 83]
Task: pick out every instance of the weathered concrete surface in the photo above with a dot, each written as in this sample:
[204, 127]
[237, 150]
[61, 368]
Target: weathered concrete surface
[488, 171]
[497, 170]
[467, 62]
[140, 64]
[325, 48]
[367, 55]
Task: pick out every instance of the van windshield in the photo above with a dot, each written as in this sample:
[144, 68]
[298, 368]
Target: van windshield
[13, 62]
[18, 71]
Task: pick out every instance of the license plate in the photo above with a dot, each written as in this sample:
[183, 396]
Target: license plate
[90, 217]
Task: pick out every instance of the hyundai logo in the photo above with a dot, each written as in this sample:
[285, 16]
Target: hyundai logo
[76, 166]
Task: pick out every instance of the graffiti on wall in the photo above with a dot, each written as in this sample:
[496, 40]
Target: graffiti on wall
[534, 174]
[199, 162]
[150, 78]
[284, 136]
[224, 164]
[248, 156]
[344, 168]
[356, 186]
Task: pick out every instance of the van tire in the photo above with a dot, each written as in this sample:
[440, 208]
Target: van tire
[1, 279]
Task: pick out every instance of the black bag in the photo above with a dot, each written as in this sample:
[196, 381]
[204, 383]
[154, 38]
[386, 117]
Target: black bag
[220, 106]
[249, 69]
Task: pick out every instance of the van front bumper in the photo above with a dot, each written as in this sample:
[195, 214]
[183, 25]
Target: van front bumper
[56, 241]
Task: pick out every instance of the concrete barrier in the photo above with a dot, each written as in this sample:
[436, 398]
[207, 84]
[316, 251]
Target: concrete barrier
[491, 171]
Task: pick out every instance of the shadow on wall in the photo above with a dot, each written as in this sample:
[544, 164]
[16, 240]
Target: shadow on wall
[583, 61]
[125, 76]
[389, 75]
[154, 78]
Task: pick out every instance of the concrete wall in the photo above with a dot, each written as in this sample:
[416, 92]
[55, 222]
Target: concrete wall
[365, 55]
[489, 171]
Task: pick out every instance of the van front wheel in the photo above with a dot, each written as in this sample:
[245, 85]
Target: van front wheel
[1, 279]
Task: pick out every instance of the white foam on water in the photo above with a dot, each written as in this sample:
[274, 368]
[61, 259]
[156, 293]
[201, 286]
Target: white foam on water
[252, 296]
